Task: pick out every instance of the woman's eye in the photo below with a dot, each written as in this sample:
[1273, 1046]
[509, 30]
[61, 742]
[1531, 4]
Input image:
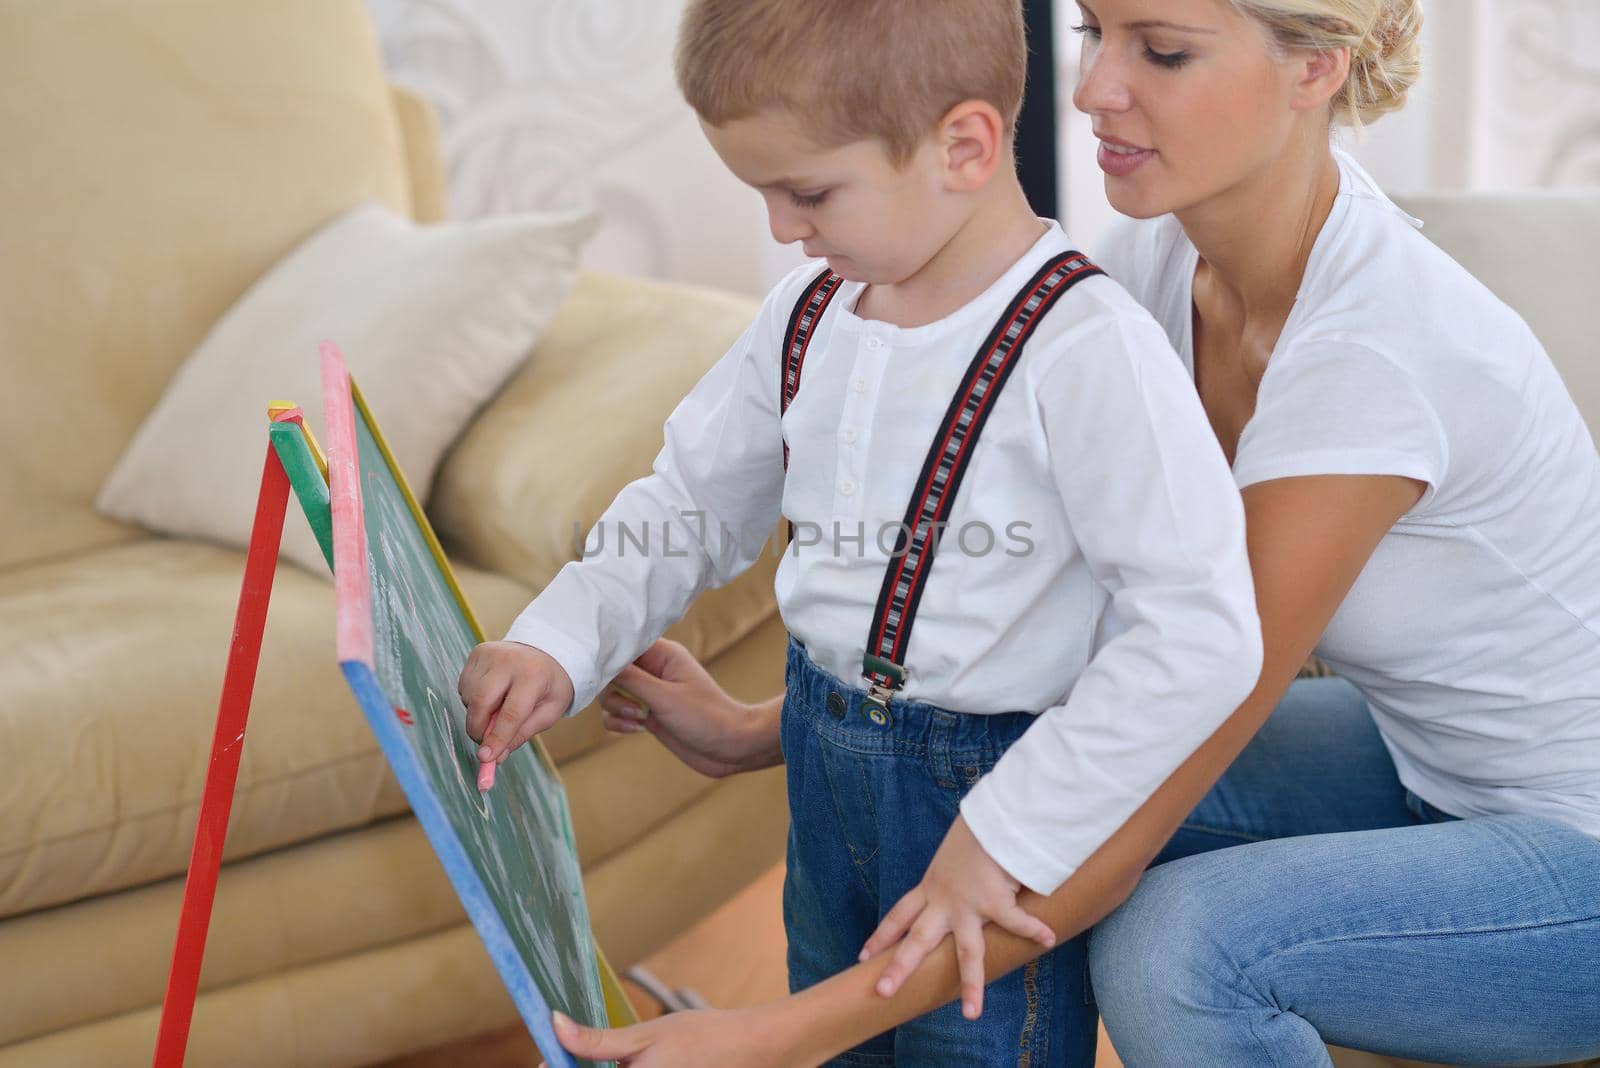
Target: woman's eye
[1086, 30]
[1170, 60]
[809, 200]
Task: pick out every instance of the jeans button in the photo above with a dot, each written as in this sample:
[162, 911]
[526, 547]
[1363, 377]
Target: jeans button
[875, 714]
[835, 705]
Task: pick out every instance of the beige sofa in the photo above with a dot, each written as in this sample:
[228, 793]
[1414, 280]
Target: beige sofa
[159, 157]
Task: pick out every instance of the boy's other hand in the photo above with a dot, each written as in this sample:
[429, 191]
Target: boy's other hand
[512, 692]
[962, 890]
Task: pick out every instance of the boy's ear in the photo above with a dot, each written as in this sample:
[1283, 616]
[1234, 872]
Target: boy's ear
[972, 142]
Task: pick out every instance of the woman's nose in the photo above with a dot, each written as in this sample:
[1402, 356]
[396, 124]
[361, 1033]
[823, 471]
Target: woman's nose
[1102, 86]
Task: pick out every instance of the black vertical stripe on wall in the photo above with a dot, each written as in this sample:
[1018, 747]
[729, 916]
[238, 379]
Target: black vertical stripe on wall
[1036, 125]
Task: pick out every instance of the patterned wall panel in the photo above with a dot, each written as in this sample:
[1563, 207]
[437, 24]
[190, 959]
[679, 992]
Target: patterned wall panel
[1542, 93]
[545, 103]
[550, 102]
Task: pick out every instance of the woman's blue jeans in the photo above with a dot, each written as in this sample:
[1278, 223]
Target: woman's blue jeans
[869, 803]
[1311, 898]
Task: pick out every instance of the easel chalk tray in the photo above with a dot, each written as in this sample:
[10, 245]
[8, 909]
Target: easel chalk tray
[404, 630]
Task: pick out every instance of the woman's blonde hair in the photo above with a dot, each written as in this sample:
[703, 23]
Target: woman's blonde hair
[852, 69]
[1383, 37]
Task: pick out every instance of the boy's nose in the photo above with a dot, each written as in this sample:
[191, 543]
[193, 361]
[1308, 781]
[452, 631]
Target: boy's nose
[787, 224]
[1102, 86]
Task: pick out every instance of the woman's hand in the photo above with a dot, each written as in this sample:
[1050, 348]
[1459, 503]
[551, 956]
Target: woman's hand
[962, 890]
[728, 1038]
[667, 692]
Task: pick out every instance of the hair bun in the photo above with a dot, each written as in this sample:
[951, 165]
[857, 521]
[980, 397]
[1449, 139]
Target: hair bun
[1385, 64]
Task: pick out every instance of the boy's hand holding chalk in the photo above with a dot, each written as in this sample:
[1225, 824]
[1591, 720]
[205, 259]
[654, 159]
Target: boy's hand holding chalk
[512, 692]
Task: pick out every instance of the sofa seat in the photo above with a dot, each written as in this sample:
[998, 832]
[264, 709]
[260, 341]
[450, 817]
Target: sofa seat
[106, 652]
[314, 946]
[109, 768]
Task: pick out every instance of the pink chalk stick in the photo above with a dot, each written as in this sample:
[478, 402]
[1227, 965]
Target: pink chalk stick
[486, 767]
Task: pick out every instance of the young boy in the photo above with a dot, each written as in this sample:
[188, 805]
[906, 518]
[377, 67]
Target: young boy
[956, 368]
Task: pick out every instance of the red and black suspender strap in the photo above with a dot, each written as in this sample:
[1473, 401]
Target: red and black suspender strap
[814, 300]
[883, 667]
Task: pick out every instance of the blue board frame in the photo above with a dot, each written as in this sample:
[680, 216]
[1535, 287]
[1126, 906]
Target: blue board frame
[380, 713]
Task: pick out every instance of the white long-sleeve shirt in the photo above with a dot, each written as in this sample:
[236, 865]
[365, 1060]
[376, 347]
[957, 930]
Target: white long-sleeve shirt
[1094, 570]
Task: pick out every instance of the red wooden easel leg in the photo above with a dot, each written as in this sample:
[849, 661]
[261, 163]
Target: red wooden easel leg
[199, 890]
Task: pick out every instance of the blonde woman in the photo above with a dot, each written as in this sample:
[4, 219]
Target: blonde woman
[1405, 859]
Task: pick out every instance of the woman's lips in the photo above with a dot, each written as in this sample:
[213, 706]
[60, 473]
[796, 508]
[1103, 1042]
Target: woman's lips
[1120, 160]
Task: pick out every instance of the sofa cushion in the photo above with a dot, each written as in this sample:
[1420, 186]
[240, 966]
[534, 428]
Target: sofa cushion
[159, 156]
[432, 320]
[113, 664]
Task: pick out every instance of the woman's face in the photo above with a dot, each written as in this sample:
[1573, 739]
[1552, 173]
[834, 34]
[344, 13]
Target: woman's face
[1186, 98]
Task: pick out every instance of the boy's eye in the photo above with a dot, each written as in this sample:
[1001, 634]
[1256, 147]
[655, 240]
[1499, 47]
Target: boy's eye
[807, 200]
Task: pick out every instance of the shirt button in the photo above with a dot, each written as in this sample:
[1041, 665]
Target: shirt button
[874, 344]
[847, 487]
[859, 385]
[849, 435]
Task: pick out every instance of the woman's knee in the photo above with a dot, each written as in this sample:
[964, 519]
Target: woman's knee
[1155, 943]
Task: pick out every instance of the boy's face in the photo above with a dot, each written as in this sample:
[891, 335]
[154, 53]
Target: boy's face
[872, 221]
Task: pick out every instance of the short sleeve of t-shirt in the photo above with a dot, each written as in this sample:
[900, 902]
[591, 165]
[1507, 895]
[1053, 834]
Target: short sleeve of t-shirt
[1339, 408]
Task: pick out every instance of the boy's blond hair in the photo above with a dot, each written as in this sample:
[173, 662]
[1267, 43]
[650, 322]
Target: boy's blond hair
[853, 70]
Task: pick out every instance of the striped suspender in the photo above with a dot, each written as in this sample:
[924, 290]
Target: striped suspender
[814, 300]
[883, 666]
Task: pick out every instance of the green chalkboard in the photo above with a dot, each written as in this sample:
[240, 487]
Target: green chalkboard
[510, 852]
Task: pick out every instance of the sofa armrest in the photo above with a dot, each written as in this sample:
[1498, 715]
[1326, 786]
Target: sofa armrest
[419, 135]
[582, 419]
[1554, 232]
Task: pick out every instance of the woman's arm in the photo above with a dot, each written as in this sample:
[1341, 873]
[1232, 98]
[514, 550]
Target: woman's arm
[1309, 539]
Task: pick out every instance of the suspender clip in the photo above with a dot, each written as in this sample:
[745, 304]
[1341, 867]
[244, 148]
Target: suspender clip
[877, 669]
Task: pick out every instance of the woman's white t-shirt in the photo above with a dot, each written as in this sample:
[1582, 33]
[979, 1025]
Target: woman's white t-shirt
[1474, 630]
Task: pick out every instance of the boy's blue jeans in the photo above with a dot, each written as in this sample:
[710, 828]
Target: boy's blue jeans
[1311, 898]
[869, 805]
